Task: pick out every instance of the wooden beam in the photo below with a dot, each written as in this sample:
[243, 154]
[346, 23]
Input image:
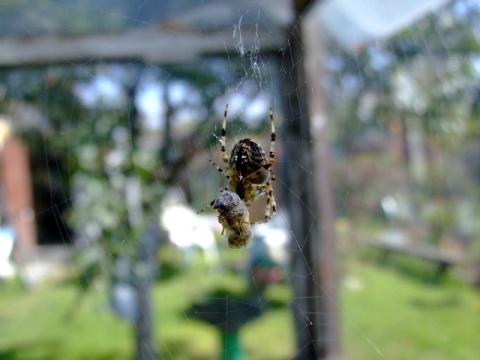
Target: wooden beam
[327, 311]
[309, 198]
[302, 5]
[154, 44]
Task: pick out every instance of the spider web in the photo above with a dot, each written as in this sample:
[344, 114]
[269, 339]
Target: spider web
[143, 136]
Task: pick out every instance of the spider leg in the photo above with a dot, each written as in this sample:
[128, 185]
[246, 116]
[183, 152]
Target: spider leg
[210, 205]
[272, 175]
[273, 136]
[206, 207]
[271, 204]
[224, 156]
[224, 136]
[219, 169]
[254, 174]
[271, 208]
[223, 149]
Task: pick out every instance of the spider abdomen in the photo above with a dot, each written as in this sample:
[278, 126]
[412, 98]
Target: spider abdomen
[249, 162]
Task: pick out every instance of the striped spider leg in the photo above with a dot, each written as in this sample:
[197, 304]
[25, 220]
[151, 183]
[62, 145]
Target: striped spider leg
[247, 170]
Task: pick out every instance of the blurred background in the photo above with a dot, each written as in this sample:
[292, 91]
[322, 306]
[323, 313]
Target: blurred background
[109, 113]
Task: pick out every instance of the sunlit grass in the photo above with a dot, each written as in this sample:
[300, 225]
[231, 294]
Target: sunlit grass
[45, 324]
[386, 313]
[271, 336]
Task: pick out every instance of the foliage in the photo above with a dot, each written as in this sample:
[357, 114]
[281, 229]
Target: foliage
[110, 168]
[428, 70]
[406, 121]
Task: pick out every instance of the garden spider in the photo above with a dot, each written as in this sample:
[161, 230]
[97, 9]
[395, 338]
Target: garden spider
[249, 173]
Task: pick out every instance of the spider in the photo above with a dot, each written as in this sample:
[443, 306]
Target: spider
[249, 173]
[234, 217]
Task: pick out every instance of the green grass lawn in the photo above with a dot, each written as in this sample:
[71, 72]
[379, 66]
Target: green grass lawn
[385, 314]
[388, 314]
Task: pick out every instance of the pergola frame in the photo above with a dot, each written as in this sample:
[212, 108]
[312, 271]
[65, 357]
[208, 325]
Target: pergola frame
[146, 44]
[309, 201]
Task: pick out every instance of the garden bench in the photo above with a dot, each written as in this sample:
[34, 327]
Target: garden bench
[424, 251]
